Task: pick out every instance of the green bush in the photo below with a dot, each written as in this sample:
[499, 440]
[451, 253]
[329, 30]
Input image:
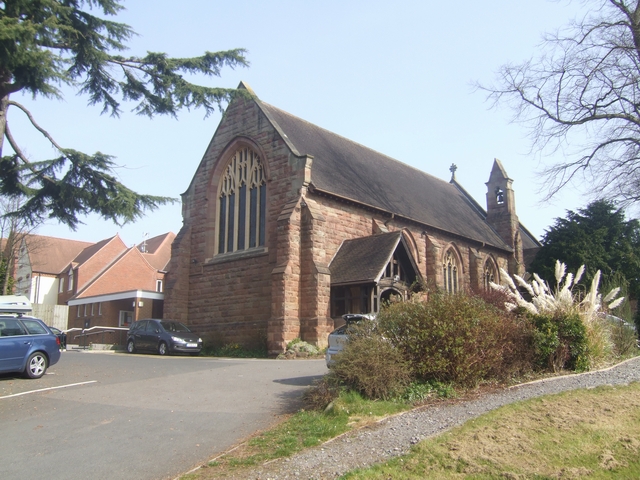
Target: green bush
[418, 392]
[370, 365]
[560, 341]
[459, 339]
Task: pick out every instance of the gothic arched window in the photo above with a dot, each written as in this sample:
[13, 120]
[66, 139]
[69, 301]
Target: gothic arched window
[489, 275]
[450, 270]
[242, 203]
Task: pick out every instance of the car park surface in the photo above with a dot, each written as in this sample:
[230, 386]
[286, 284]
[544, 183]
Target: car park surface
[148, 417]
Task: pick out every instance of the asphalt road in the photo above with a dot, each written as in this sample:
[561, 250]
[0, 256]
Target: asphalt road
[116, 416]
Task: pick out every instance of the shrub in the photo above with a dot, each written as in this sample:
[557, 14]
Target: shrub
[298, 346]
[418, 392]
[456, 338]
[370, 365]
[624, 339]
[560, 341]
[567, 306]
[322, 393]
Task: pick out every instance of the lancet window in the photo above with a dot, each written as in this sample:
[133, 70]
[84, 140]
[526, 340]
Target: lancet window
[242, 203]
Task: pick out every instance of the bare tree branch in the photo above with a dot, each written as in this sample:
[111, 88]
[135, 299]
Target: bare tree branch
[584, 90]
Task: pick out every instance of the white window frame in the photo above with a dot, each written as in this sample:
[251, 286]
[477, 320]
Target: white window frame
[70, 284]
[122, 317]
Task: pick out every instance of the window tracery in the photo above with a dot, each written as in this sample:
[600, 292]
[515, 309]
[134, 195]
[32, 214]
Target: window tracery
[489, 275]
[242, 203]
[450, 271]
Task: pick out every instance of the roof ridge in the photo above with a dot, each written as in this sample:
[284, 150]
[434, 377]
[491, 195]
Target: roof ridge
[110, 266]
[348, 140]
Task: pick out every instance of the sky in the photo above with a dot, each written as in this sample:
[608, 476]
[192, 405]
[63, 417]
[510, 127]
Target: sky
[397, 77]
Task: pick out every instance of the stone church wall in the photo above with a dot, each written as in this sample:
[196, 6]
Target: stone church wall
[282, 291]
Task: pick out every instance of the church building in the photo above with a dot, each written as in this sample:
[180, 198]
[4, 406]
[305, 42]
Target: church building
[287, 226]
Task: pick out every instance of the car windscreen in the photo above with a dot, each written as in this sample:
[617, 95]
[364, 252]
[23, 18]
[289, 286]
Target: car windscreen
[174, 327]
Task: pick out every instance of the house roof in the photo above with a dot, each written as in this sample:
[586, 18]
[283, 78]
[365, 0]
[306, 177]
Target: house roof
[115, 268]
[51, 255]
[91, 250]
[157, 250]
[129, 271]
[352, 171]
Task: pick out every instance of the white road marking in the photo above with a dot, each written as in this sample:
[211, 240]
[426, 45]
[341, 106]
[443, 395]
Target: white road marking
[50, 388]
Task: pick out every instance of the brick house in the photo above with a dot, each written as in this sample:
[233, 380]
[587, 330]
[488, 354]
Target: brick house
[39, 261]
[109, 284]
[286, 226]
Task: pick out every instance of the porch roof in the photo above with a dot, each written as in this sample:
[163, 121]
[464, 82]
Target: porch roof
[363, 260]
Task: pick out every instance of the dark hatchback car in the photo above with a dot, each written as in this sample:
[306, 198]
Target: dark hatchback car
[27, 346]
[163, 337]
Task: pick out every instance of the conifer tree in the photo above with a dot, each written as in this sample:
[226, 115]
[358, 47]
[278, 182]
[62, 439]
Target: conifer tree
[598, 237]
[45, 44]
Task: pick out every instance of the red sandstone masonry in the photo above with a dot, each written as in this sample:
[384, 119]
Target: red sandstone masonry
[282, 291]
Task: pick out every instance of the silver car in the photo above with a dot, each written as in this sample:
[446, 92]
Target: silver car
[339, 337]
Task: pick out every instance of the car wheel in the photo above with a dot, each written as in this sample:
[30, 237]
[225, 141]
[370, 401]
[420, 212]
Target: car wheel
[36, 365]
[163, 349]
[131, 347]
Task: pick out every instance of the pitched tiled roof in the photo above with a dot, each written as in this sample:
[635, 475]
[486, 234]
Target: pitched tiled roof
[130, 271]
[157, 250]
[91, 250]
[352, 171]
[51, 255]
[362, 260]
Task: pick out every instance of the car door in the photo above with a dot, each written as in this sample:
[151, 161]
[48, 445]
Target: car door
[137, 333]
[14, 345]
[151, 335]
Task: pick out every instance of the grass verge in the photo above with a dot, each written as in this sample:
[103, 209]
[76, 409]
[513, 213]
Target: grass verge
[301, 430]
[592, 434]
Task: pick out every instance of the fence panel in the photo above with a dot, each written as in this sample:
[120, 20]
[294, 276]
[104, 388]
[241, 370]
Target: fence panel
[53, 315]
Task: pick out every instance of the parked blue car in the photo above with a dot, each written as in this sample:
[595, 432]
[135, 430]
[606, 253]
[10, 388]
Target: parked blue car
[27, 346]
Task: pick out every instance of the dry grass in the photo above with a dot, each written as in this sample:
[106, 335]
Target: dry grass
[580, 434]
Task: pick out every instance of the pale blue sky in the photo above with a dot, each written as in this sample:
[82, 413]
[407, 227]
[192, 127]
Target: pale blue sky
[394, 76]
